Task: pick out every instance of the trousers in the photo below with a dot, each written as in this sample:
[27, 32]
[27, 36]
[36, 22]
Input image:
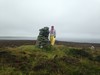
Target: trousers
[52, 40]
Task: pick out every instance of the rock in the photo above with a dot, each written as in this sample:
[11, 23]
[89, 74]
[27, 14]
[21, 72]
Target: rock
[42, 39]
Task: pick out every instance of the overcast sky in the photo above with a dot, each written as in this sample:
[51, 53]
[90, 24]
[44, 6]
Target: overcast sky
[71, 18]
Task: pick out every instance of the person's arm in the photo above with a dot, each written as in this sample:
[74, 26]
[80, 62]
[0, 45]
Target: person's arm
[55, 34]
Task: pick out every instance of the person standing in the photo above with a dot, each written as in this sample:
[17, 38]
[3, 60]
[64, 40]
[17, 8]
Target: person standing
[52, 35]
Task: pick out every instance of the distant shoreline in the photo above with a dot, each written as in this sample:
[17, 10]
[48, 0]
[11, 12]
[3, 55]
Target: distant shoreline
[95, 41]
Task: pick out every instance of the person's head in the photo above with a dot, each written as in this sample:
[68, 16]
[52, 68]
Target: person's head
[52, 27]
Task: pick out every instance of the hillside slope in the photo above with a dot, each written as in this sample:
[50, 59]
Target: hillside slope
[57, 60]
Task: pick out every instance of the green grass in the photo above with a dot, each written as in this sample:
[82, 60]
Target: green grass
[57, 60]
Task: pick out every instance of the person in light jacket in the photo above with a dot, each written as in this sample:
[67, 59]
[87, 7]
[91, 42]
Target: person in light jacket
[52, 35]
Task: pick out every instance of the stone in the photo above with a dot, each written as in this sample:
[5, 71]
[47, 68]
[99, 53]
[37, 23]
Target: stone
[42, 39]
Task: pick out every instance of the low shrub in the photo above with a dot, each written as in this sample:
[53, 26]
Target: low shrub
[78, 53]
[97, 58]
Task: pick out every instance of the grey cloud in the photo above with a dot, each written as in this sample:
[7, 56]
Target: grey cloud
[70, 17]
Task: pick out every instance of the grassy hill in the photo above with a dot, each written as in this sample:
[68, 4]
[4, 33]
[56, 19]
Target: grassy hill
[57, 60]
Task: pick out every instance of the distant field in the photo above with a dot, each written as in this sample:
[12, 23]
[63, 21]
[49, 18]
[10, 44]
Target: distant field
[14, 43]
